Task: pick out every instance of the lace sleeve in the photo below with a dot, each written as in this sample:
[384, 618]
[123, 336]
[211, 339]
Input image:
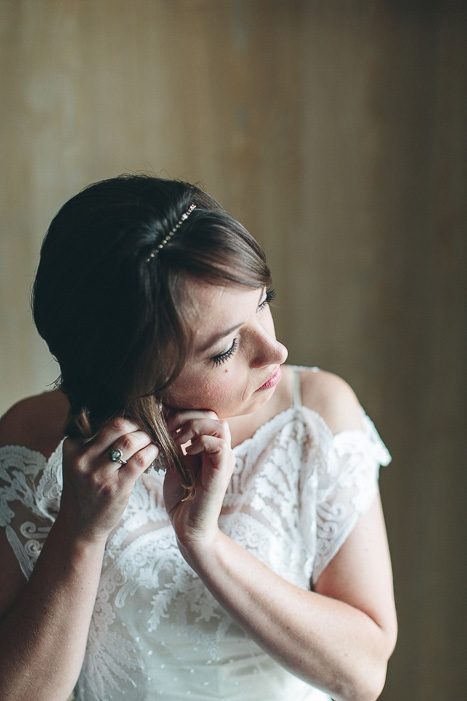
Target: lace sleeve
[30, 490]
[346, 487]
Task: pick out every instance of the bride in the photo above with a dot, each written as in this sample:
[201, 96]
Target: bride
[185, 516]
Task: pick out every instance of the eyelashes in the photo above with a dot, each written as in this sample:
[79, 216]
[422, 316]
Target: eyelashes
[270, 297]
[222, 357]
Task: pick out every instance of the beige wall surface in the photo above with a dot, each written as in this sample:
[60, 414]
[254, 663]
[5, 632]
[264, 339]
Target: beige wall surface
[335, 130]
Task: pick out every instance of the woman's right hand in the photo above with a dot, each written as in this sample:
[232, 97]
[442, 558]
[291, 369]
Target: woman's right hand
[95, 489]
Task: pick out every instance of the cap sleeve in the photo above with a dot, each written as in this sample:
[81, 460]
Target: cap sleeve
[346, 484]
[30, 489]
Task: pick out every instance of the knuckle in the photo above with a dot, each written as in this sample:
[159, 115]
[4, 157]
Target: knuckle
[138, 460]
[224, 428]
[95, 480]
[126, 444]
[80, 463]
[78, 460]
[119, 424]
[224, 444]
[107, 491]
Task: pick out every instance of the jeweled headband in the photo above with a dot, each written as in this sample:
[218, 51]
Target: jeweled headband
[184, 216]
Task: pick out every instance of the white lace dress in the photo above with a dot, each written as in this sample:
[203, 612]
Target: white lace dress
[156, 631]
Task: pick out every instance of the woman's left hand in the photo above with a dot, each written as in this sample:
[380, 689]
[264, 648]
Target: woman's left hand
[209, 457]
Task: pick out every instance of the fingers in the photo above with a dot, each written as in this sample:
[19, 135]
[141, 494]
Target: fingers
[208, 444]
[188, 426]
[108, 436]
[130, 444]
[176, 419]
[138, 453]
[136, 448]
[141, 460]
[96, 489]
[201, 433]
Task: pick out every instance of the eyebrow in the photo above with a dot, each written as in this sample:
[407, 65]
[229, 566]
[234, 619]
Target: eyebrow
[219, 336]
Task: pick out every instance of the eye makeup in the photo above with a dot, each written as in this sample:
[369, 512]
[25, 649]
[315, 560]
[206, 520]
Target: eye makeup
[269, 297]
[222, 357]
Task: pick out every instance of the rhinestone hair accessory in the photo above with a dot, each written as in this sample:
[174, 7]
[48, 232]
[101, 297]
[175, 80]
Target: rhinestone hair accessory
[184, 216]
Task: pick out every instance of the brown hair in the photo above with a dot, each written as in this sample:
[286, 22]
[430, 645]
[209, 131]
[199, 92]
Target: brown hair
[117, 323]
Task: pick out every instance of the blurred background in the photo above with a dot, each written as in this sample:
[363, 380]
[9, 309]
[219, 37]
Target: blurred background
[335, 130]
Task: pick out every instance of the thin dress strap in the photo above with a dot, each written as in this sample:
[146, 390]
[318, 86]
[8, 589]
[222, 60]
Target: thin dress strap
[297, 395]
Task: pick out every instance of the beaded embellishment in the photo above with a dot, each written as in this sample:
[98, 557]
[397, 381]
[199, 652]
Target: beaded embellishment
[184, 216]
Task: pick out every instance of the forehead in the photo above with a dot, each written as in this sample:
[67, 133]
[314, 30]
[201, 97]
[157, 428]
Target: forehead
[213, 307]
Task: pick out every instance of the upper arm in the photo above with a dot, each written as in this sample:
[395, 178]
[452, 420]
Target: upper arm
[12, 580]
[360, 573]
[33, 423]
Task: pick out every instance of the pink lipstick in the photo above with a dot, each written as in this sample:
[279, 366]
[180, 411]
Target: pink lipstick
[272, 382]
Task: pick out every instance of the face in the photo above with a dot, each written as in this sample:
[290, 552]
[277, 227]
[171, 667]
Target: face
[234, 352]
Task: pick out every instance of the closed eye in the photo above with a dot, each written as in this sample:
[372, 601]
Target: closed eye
[222, 357]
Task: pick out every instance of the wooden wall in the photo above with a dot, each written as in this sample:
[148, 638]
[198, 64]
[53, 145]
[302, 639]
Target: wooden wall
[335, 130]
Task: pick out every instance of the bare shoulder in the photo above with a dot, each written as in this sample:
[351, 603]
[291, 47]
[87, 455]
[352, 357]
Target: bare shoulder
[35, 422]
[331, 397]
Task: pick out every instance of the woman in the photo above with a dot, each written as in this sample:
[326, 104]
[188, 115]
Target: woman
[256, 566]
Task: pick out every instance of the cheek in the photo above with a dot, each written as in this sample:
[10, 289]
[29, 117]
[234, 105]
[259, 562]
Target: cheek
[222, 390]
[210, 391]
[223, 393]
[219, 387]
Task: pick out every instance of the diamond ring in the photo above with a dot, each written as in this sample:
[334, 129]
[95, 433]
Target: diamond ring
[116, 455]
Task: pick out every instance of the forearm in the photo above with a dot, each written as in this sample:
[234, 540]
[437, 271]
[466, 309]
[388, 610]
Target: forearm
[326, 642]
[43, 638]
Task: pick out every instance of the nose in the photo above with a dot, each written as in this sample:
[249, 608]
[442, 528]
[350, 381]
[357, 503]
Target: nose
[268, 350]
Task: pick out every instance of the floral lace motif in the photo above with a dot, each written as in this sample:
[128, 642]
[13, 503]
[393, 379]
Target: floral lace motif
[295, 495]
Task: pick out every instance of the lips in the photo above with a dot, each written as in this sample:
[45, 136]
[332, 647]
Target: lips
[273, 380]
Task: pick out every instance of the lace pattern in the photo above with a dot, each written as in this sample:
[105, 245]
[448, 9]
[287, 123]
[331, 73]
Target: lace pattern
[30, 489]
[295, 495]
